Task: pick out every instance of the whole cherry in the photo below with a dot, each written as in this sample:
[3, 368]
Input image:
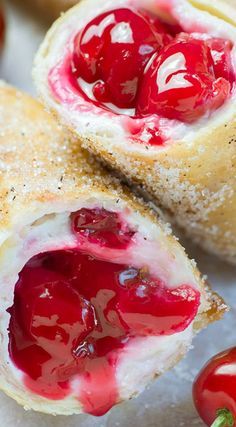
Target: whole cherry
[180, 81]
[111, 52]
[214, 390]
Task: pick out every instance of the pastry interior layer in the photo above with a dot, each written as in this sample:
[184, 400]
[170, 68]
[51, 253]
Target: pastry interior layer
[77, 95]
[44, 177]
[121, 369]
[188, 176]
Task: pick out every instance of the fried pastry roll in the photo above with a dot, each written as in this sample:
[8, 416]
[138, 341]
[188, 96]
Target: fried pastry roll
[149, 87]
[97, 296]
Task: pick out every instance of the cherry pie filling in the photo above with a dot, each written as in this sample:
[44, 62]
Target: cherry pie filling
[74, 313]
[127, 61]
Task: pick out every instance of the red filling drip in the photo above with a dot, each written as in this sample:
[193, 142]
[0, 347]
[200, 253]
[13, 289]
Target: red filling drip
[186, 77]
[73, 314]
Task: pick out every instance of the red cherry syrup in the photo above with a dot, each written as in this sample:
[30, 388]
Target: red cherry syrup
[103, 228]
[73, 314]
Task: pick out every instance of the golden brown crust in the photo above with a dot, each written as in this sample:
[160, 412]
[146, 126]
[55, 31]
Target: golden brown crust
[44, 163]
[195, 182]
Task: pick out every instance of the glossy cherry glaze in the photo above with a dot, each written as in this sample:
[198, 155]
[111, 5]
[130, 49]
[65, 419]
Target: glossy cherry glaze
[180, 81]
[187, 76]
[221, 54]
[73, 314]
[112, 52]
[102, 227]
[214, 390]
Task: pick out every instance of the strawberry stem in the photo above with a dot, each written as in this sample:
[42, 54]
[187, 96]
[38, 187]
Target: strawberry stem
[224, 419]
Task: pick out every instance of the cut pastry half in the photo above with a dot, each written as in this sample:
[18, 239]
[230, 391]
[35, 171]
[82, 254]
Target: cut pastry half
[97, 296]
[149, 87]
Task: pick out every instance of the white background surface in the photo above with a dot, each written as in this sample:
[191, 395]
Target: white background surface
[167, 402]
